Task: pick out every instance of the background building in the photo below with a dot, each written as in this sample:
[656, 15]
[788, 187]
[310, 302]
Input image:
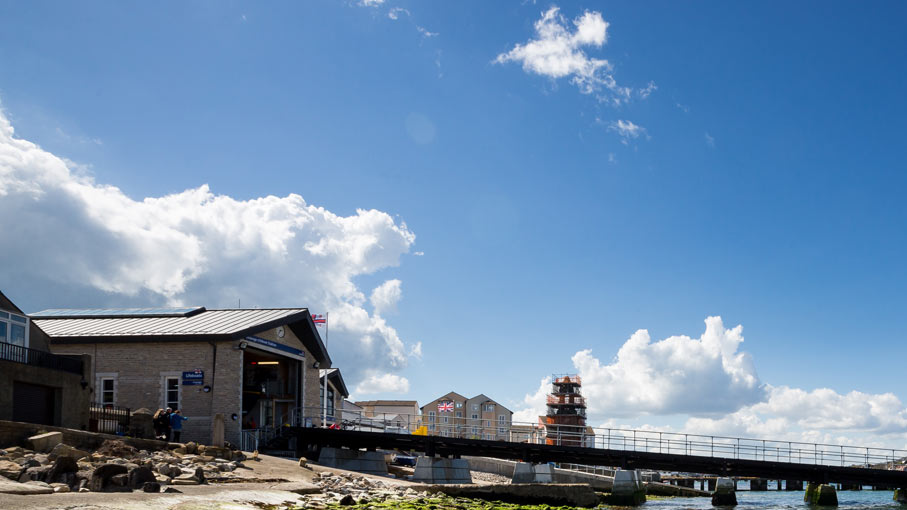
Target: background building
[37, 386]
[253, 366]
[479, 417]
[337, 392]
[392, 415]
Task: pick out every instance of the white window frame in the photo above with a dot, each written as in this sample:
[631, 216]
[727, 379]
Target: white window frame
[7, 318]
[489, 408]
[179, 389]
[100, 377]
[431, 416]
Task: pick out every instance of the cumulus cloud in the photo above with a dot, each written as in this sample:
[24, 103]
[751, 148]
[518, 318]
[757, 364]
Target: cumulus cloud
[557, 52]
[371, 3]
[383, 383]
[712, 384]
[627, 130]
[659, 377]
[195, 247]
[386, 296]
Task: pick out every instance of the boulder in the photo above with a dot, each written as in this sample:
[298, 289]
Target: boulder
[10, 469]
[60, 487]
[64, 450]
[37, 473]
[139, 476]
[45, 442]
[101, 477]
[151, 487]
[120, 481]
[62, 466]
[192, 447]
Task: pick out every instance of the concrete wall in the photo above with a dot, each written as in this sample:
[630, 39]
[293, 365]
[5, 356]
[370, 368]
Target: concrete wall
[71, 406]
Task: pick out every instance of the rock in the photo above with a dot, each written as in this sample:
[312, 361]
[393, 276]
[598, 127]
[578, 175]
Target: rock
[64, 450]
[151, 487]
[139, 476]
[192, 447]
[102, 475]
[179, 452]
[62, 466]
[303, 462]
[60, 487]
[38, 473]
[189, 480]
[347, 500]
[10, 469]
[162, 479]
[45, 442]
[116, 448]
[11, 487]
[84, 489]
[172, 490]
[28, 462]
[120, 481]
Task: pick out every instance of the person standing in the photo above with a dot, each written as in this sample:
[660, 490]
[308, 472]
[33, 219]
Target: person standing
[176, 424]
[161, 423]
[167, 414]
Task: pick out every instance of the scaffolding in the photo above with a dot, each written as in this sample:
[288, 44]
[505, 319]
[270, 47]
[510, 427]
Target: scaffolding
[565, 419]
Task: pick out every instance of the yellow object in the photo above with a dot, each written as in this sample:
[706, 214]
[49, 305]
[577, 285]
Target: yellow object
[421, 431]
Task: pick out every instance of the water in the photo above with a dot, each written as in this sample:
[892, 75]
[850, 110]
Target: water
[775, 500]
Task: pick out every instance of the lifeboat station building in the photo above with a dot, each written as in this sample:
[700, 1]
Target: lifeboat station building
[257, 368]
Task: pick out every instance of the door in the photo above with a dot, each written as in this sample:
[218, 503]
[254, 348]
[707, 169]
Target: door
[33, 403]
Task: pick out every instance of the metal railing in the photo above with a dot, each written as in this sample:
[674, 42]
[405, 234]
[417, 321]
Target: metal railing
[36, 358]
[108, 419]
[624, 439]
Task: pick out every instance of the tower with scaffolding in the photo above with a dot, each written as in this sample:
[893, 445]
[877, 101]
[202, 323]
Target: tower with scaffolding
[565, 419]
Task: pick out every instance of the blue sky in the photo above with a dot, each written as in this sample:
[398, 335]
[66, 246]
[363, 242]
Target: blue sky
[764, 183]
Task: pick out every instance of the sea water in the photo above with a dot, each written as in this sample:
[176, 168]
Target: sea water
[786, 500]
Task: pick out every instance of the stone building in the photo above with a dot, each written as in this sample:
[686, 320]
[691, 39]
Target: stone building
[258, 368]
[479, 417]
[37, 386]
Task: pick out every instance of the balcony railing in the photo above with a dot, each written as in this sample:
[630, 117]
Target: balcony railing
[576, 400]
[36, 358]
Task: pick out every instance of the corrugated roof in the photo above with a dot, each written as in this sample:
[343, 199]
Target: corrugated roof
[208, 322]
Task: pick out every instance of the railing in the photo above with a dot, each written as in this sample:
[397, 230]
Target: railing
[568, 379]
[629, 440]
[576, 400]
[36, 358]
[253, 439]
[108, 419]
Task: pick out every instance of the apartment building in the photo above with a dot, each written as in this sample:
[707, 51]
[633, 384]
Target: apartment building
[479, 417]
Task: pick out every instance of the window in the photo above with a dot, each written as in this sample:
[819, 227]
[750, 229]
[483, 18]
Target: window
[431, 416]
[459, 414]
[487, 423]
[459, 405]
[502, 430]
[489, 408]
[106, 388]
[501, 419]
[475, 407]
[475, 417]
[444, 419]
[330, 402]
[14, 329]
[172, 392]
[431, 427]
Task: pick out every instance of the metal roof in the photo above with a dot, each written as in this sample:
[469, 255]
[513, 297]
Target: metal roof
[207, 322]
[110, 313]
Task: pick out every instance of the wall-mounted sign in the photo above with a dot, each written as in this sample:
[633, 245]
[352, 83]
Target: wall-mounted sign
[194, 378]
[275, 345]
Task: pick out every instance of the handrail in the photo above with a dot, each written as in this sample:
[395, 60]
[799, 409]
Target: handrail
[624, 439]
[44, 359]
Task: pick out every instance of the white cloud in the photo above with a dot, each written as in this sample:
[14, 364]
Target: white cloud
[534, 403]
[82, 243]
[556, 52]
[371, 3]
[386, 296]
[709, 140]
[426, 33]
[383, 383]
[660, 377]
[711, 386]
[627, 130]
[647, 91]
[396, 12]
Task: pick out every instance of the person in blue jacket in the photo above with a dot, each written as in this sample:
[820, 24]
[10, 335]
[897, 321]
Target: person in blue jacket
[176, 424]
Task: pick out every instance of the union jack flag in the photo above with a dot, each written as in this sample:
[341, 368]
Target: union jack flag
[318, 319]
[445, 407]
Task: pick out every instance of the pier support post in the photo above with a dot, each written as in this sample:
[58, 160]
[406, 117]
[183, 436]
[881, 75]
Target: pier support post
[526, 472]
[711, 484]
[793, 485]
[725, 492]
[759, 484]
[900, 495]
[438, 470]
[820, 495]
[628, 489]
[353, 460]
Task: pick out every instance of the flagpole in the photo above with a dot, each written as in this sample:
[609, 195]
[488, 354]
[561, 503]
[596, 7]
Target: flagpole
[324, 408]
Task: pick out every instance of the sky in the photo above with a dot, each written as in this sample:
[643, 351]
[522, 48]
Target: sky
[699, 210]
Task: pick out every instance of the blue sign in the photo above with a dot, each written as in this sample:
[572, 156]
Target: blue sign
[194, 375]
[275, 345]
[192, 382]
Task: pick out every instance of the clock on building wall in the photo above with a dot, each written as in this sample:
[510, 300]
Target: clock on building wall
[280, 332]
